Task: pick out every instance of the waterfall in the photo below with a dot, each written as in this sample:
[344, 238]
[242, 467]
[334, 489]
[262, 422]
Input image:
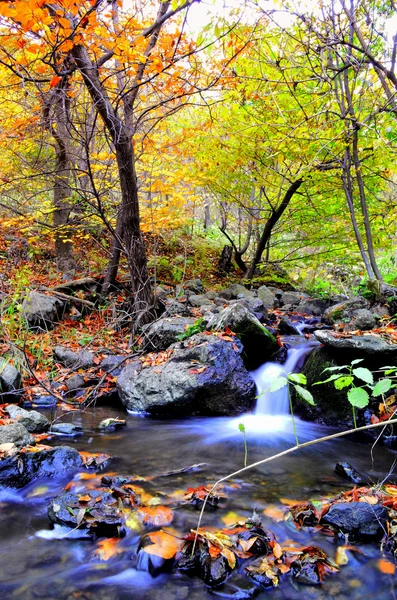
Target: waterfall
[277, 403]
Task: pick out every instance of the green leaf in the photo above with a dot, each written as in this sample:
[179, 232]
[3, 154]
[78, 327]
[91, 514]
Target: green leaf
[364, 374]
[305, 394]
[390, 371]
[343, 382]
[358, 397]
[297, 378]
[278, 383]
[356, 361]
[241, 427]
[335, 368]
[332, 378]
[381, 387]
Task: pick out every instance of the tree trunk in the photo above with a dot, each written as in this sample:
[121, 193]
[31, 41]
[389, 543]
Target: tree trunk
[114, 260]
[270, 223]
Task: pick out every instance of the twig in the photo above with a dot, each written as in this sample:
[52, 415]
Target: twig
[68, 297]
[279, 455]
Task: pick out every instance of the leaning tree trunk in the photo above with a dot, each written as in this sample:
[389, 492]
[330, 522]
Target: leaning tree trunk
[270, 224]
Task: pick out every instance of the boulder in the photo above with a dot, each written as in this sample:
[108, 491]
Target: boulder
[73, 360]
[232, 291]
[20, 469]
[34, 421]
[267, 296]
[211, 295]
[194, 285]
[254, 305]
[286, 327]
[258, 343]
[164, 332]
[197, 301]
[205, 375]
[343, 312]
[314, 306]
[360, 520]
[10, 382]
[17, 434]
[177, 309]
[75, 382]
[363, 319]
[110, 364]
[42, 311]
[360, 344]
[293, 298]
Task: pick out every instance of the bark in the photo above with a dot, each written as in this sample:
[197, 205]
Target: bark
[114, 260]
[275, 216]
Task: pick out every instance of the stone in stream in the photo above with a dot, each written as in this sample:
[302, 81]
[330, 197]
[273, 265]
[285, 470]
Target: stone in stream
[21, 468]
[348, 472]
[17, 434]
[66, 429]
[258, 343]
[34, 421]
[286, 327]
[204, 375]
[164, 332]
[10, 382]
[364, 344]
[99, 512]
[360, 520]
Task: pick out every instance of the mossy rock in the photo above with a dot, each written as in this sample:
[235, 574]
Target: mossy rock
[332, 406]
[272, 275]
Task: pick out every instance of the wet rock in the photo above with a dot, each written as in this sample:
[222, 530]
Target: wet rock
[267, 296]
[73, 360]
[259, 344]
[194, 285]
[213, 571]
[66, 429]
[286, 327]
[10, 382]
[255, 306]
[344, 311]
[237, 588]
[205, 375]
[358, 519]
[348, 472]
[42, 311]
[315, 306]
[44, 401]
[164, 332]
[32, 420]
[100, 515]
[17, 434]
[74, 383]
[18, 470]
[110, 364]
[363, 319]
[232, 291]
[364, 344]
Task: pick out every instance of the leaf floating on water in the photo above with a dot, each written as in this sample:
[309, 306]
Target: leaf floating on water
[80, 516]
[163, 544]
[108, 548]
[386, 567]
[156, 516]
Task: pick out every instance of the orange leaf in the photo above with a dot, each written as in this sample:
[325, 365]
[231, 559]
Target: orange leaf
[156, 516]
[213, 550]
[55, 80]
[385, 566]
[108, 548]
[164, 544]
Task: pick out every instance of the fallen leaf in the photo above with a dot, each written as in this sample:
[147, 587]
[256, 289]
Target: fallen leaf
[164, 544]
[386, 567]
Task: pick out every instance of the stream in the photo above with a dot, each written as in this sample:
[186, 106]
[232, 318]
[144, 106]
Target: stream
[37, 561]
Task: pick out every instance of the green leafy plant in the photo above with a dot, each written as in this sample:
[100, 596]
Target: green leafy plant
[197, 327]
[241, 427]
[297, 381]
[360, 384]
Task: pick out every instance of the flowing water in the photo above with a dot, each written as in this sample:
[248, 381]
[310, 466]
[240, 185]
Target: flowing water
[37, 561]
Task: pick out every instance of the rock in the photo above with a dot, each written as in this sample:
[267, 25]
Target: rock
[218, 301]
[348, 472]
[211, 295]
[44, 401]
[19, 470]
[196, 300]
[379, 311]
[66, 429]
[331, 405]
[42, 311]
[267, 296]
[73, 360]
[208, 308]
[32, 420]
[177, 309]
[286, 327]
[213, 571]
[194, 285]
[10, 382]
[315, 306]
[255, 306]
[100, 515]
[364, 344]
[293, 298]
[258, 343]
[17, 434]
[232, 291]
[110, 364]
[358, 519]
[205, 375]
[363, 319]
[160, 293]
[75, 382]
[344, 311]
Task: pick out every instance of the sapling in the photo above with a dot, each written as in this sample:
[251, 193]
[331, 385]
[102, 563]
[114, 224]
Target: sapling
[241, 427]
